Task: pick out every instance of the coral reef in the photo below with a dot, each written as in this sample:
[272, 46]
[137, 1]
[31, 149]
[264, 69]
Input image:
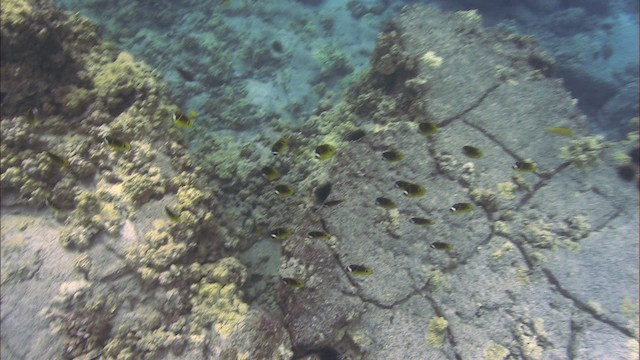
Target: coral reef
[584, 153]
[437, 332]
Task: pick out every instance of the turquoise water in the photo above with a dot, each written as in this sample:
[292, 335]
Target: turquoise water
[256, 61]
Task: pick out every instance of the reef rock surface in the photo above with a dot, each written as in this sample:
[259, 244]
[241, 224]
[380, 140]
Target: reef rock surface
[544, 266]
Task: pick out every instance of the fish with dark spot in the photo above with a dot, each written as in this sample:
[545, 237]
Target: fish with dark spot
[441, 246]
[461, 208]
[421, 221]
[280, 146]
[427, 128]
[471, 152]
[325, 151]
[355, 135]
[525, 166]
[172, 215]
[411, 190]
[182, 120]
[359, 270]
[116, 143]
[392, 155]
[58, 160]
[32, 116]
[386, 203]
[322, 192]
[283, 190]
[270, 173]
[318, 235]
[280, 233]
[293, 283]
[626, 172]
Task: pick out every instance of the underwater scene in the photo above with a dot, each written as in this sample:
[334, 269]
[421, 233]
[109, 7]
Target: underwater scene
[319, 179]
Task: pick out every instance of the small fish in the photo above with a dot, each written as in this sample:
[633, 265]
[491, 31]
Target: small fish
[31, 116]
[283, 190]
[421, 221]
[280, 146]
[411, 190]
[117, 144]
[427, 128]
[392, 155]
[58, 160]
[525, 166]
[280, 233]
[318, 235]
[325, 151]
[322, 192]
[173, 216]
[52, 206]
[187, 75]
[355, 135]
[293, 283]
[183, 120]
[562, 131]
[461, 208]
[472, 152]
[383, 202]
[270, 173]
[359, 270]
[402, 184]
[331, 203]
[441, 246]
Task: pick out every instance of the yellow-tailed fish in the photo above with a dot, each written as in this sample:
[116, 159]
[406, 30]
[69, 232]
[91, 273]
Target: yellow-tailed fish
[427, 128]
[172, 215]
[359, 270]
[392, 155]
[283, 190]
[183, 120]
[562, 131]
[471, 151]
[386, 203]
[58, 160]
[325, 151]
[31, 116]
[117, 144]
[280, 146]
[293, 283]
[411, 190]
[318, 235]
[270, 173]
[280, 233]
[525, 166]
[421, 221]
[333, 202]
[441, 246]
[461, 208]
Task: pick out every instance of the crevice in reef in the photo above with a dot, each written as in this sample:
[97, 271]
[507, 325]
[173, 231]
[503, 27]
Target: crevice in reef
[583, 306]
[473, 106]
